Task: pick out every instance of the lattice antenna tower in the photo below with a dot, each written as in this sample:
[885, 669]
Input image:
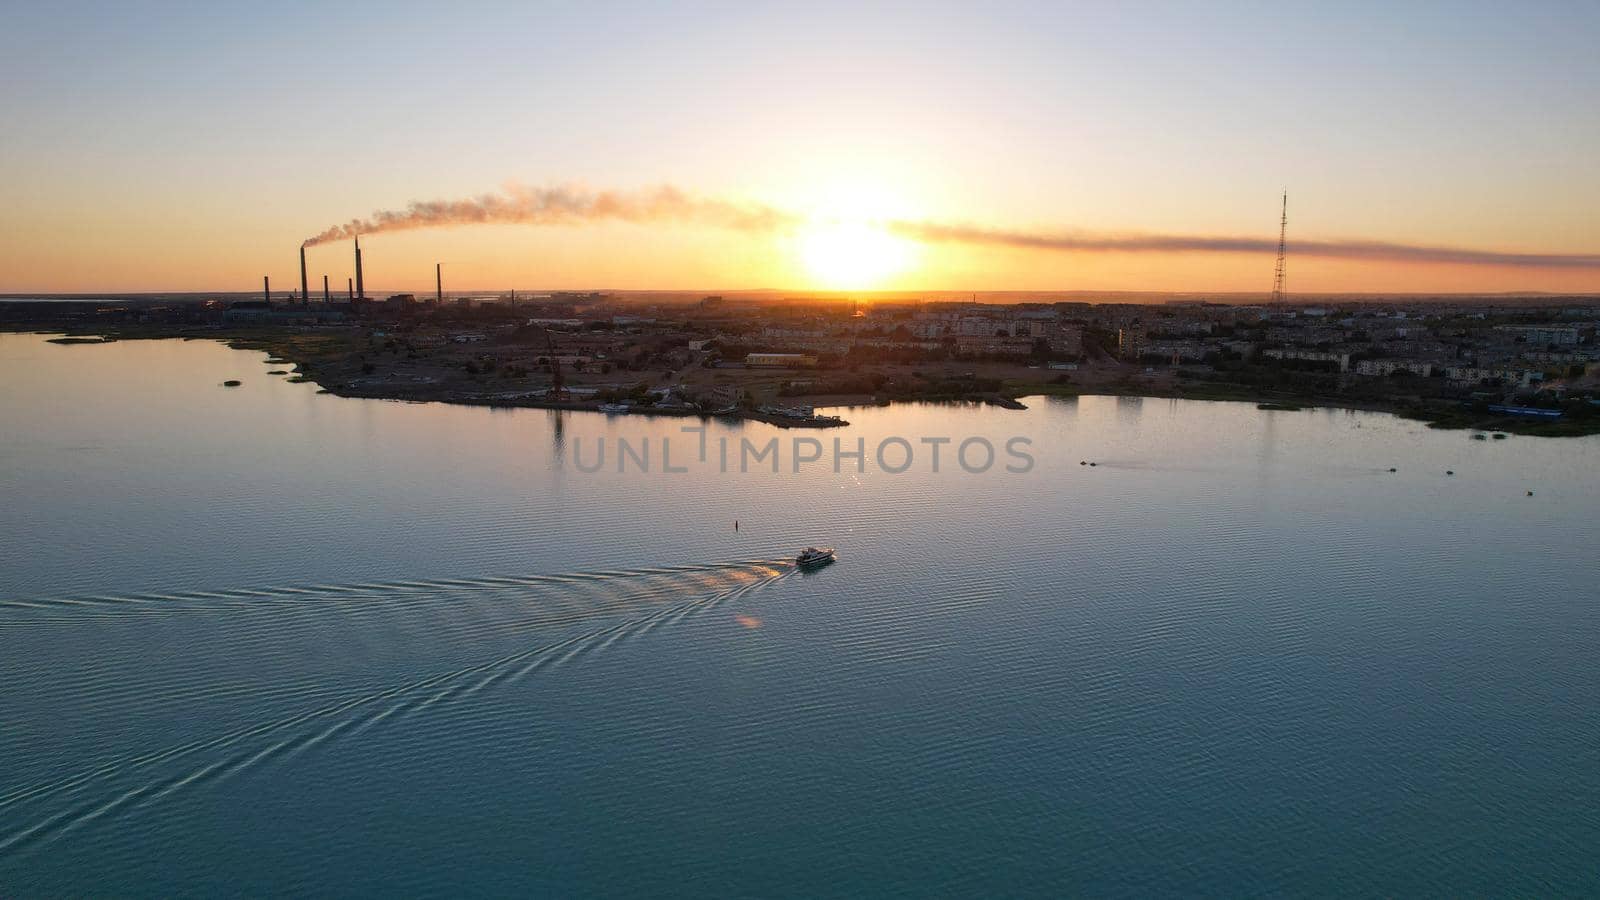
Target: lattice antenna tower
[1283, 233]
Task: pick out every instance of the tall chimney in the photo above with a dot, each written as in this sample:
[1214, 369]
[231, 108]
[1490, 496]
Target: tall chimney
[305, 294]
[361, 288]
[325, 297]
[438, 282]
[350, 288]
[266, 289]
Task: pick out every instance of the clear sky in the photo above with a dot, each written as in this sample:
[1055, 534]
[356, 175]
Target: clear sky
[193, 146]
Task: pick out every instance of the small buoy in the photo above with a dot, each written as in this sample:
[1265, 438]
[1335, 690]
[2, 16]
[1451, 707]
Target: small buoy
[1393, 469]
[1530, 493]
[1094, 464]
[1449, 471]
[1083, 462]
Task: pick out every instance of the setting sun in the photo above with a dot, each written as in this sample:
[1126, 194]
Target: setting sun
[852, 255]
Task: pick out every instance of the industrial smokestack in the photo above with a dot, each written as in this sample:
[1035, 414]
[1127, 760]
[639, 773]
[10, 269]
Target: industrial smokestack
[305, 294]
[438, 282]
[326, 298]
[361, 288]
[350, 288]
[266, 289]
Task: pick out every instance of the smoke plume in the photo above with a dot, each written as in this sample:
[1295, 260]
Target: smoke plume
[520, 205]
[516, 204]
[934, 232]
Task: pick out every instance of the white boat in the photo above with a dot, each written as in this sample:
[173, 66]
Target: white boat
[814, 556]
[614, 407]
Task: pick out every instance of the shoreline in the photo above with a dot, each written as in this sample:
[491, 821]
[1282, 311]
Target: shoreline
[283, 348]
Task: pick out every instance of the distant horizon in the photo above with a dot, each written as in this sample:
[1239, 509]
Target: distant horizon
[938, 295]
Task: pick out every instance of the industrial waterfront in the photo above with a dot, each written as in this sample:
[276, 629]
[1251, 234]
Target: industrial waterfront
[1495, 364]
[265, 640]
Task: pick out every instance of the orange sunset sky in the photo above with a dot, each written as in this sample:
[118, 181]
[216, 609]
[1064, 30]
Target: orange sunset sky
[194, 151]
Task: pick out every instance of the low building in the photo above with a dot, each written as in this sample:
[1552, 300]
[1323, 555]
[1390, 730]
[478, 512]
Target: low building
[261, 312]
[780, 360]
[1378, 368]
[1130, 341]
[1177, 351]
[774, 333]
[1065, 340]
[1560, 358]
[1342, 360]
[1305, 336]
[993, 345]
[1470, 375]
[248, 311]
[977, 326]
[1542, 335]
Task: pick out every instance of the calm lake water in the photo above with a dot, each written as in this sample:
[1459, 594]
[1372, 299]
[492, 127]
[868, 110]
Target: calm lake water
[260, 640]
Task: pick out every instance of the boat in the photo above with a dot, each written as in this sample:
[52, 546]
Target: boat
[814, 556]
[614, 407]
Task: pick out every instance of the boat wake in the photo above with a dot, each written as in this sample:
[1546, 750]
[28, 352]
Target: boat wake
[576, 614]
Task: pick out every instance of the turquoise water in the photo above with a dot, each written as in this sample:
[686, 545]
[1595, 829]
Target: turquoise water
[264, 640]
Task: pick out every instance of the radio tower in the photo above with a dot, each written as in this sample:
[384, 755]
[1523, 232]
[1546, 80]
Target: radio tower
[1283, 232]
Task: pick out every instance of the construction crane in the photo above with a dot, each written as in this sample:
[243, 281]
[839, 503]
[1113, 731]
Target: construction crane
[558, 390]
